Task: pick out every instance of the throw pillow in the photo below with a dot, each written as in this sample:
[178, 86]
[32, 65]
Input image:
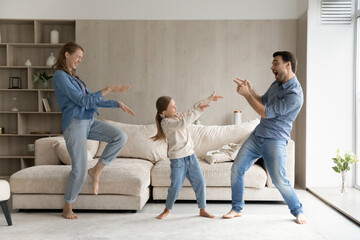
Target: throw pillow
[224, 154]
[63, 154]
[139, 144]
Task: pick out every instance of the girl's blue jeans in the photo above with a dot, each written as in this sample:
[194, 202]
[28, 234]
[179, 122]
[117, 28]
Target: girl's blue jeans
[76, 134]
[273, 151]
[186, 167]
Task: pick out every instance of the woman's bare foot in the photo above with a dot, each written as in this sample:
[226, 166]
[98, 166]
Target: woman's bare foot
[204, 213]
[232, 214]
[68, 212]
[95, 180]
[95, 175]
[301, 219]
[164, 214]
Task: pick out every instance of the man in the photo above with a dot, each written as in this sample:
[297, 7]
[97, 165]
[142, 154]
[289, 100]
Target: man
[278, 108]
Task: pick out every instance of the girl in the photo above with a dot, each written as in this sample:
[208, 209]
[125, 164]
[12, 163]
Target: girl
[78, 106]
[173, 128]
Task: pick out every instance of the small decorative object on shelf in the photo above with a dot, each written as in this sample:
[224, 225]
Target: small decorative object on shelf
[50, 60]
[54, 36]
[15, 83]
[31, 147]
[237, 117]
[0, 37]
[2, 130]
[343, 166]
[14, 107]
[28, 63]
[43, 77]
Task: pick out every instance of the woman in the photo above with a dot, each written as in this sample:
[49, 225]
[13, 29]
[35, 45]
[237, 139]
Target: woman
[78, 106]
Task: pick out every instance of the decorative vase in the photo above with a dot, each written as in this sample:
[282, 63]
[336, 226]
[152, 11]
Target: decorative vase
[343, 179]
[45, 85]
[28, 63]
[237, 117]
[50, 60]
[54, 36]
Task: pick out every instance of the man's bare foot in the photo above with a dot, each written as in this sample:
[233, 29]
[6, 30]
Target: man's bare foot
[301, 219]
[68, 212]
[232, 214]
[95, 180]
[164, 214]
[204, 213]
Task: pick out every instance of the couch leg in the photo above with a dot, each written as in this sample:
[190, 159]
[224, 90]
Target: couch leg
[5, 208]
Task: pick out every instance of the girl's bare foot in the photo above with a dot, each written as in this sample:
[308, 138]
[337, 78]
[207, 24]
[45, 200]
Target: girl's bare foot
[204, 213]
[232, 214]
[95, 180]
[301, 219]
[68, 212]
[164, 214]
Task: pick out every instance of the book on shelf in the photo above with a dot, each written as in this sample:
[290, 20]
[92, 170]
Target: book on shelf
[46, 104]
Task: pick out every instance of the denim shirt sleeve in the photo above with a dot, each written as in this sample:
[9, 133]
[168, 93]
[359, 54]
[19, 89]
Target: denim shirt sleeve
[63, 83]
[107, 104]
[282, 106]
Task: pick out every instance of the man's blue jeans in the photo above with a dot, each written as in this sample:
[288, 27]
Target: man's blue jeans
[76, 134]
[273, 151]
[186, 167]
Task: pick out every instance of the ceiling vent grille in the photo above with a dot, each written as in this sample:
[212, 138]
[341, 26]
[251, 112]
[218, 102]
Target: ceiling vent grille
[336, 11]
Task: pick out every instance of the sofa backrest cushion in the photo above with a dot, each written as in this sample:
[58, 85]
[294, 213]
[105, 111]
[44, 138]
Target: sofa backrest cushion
[139, 144]
[209, 138]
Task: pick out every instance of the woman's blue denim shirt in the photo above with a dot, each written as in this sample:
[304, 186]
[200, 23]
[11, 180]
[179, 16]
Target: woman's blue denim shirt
[73, 102]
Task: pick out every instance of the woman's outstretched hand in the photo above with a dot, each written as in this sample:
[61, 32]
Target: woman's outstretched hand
[215, 97]
[125, 108]
[118, 88]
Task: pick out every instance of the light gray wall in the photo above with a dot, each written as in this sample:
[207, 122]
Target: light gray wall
[300, 123]
[186, 60]
[151, 9]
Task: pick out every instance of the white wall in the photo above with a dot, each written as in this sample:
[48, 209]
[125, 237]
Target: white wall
[330, 97]
[151, 9]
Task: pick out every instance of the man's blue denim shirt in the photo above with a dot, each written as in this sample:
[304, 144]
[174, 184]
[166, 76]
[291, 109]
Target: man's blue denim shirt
[282, 104]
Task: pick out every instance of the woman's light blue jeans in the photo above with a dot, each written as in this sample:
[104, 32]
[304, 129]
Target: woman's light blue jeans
[186, 167]
[273, 151]
[76, 134]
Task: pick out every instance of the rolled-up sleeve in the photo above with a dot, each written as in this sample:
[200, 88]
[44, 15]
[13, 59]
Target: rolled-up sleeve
[282, 106]
[107, 104]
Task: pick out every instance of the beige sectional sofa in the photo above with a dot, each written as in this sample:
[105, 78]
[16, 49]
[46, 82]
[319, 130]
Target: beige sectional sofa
[140, 171]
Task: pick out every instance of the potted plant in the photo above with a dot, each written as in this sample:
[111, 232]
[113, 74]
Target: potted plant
[343, 166]
[43, 77]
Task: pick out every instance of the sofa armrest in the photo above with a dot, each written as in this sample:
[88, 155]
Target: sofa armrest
[44, 152]
[290, 165]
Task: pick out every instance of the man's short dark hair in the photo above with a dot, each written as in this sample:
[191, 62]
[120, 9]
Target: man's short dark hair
[286, 57]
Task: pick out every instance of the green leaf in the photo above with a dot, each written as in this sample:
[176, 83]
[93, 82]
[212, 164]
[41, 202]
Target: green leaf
[336, 169]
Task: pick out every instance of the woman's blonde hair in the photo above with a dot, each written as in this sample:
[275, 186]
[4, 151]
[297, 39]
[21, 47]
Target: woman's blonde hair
[162, 104]
[60, 63]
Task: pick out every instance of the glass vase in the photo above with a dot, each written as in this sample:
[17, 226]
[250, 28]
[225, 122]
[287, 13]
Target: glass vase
[45, 85]
[343, 180]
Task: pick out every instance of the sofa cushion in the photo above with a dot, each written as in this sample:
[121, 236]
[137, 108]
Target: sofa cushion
[124, 176]
[63, 154]
[138, 144]
[209, 138]
[216, 175]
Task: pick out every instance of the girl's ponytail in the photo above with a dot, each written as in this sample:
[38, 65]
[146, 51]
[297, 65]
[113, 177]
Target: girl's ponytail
[161, 105]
